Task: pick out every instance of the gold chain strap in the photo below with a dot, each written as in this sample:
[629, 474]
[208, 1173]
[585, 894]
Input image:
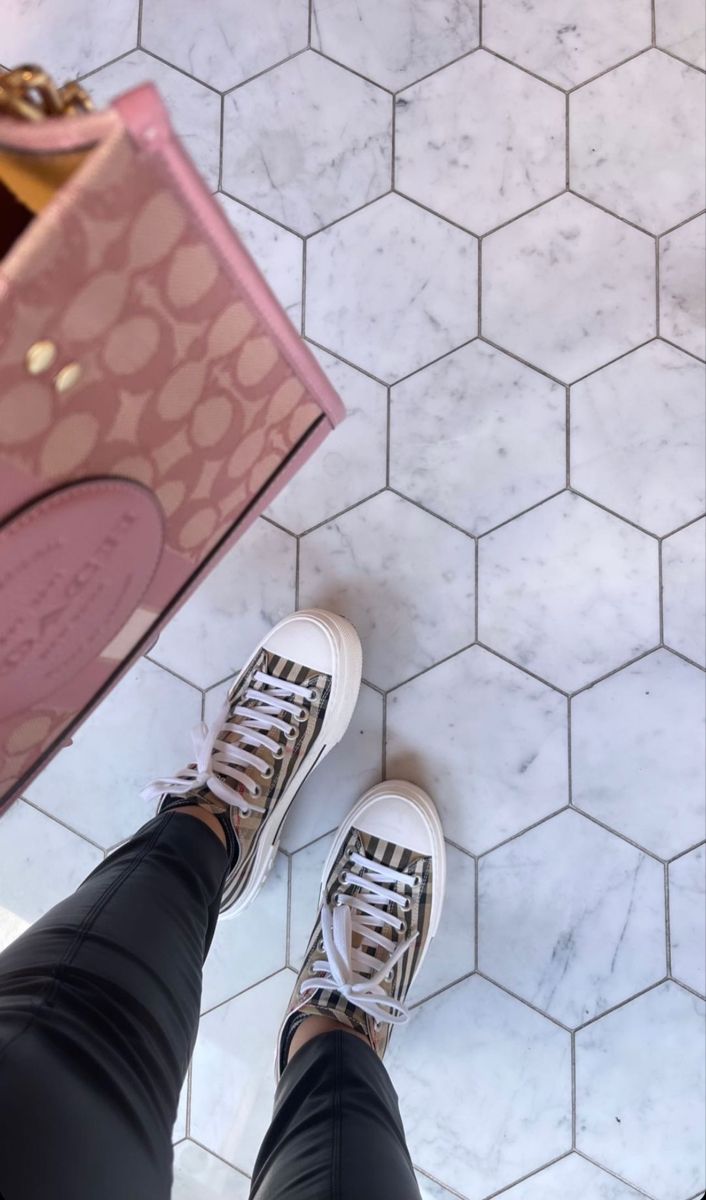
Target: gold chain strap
[30, 94]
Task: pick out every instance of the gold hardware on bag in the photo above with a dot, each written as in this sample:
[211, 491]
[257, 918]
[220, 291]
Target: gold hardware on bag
[30, 94]
[40, 357]
[67, 378]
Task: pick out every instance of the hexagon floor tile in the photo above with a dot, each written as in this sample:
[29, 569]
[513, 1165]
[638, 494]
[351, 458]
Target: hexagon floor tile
[32, 34]
[139, 733]
[568, 591]
[396, 42]
[391, 288]
[476, 1042]
[640, 1092]
[687, 915]
[351, 463]
[488, 742]
[638, 437]
[637, 756]
[603, 942]
[680, 28]
[194, 108]
[568, 287]
[450, 489]
[566, 41]
[403, 578]
[682, 286]
[492, 443]
[476, 172]
[220, 43]
[278, 253]
[637, 167]
[684, 585]
[307, 142]
[249, 590]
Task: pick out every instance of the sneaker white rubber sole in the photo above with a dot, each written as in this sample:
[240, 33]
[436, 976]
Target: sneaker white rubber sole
[404, 813]
[326, 642]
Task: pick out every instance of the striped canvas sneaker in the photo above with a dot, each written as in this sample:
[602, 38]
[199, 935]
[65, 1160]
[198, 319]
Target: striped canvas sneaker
[288, 707]
[381, 896]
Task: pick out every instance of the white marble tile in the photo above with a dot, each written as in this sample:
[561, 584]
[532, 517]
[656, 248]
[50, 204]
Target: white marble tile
[452, 952]
[69, 38]
[341, 779]
[233, 1081]
[475, 171]
[391, 287]
[307, 870]
[198, 1175]
[351, 463]
[484, 1086]
[572, 1178]
[278, 253]
[487, 742]
[602, 943]
[225, 41]
[648, 166]
[684, 591]
[40, 864]
[431, 1190]
[307, 142]
[680, 26]
[638, 437]
[396, 42]
[637, 753]
[682, 286]
[194, 109]
[687, 915]
[250, 946]
[404, 579]
[141, 731]
[179, 1130]
[249, 590]
[640, 1092]
[477, 437]
[568, 591]
[566, 41]
[568, 287]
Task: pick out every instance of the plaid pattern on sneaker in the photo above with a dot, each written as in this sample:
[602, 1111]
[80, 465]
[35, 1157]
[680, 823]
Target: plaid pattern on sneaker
[243, 824]
[413, 913]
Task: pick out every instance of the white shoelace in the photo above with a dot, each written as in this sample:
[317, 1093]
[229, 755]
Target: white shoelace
[216, 758]
[347, 968]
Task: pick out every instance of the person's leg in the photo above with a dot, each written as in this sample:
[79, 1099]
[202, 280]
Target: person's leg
[336, 1132]
[99, 1001]
[99, 1005]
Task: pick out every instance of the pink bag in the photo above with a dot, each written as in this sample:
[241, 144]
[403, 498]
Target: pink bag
[154, 398]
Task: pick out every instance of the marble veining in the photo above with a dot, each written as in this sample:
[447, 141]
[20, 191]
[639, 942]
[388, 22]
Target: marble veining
[477, 172]
[67, 39]
[568, 287]
[602, 942]
[650, 166]
[307, 142]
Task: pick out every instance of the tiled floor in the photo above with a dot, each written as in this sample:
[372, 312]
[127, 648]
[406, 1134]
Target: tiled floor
[489, 225]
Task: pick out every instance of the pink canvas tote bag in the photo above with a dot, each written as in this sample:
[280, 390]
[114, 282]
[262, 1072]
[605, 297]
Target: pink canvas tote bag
[154, 397]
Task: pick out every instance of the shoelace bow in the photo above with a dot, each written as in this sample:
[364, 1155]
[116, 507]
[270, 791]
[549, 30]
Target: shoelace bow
[348, 969]
[217, 760]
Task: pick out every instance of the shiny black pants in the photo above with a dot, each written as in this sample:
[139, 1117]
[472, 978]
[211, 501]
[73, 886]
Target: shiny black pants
[99, 1004]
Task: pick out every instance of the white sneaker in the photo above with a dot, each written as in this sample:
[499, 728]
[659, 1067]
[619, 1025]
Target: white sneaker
[381, 897]
[288, 707]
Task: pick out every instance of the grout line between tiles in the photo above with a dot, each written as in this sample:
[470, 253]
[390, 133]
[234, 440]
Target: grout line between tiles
[180, 70]
[382, 87]
[575, 87]
[480, 24]
[139, 24]
[383, 744]
[628, 1000]
[440, 991]
[658, 314]
[660, 587]
[388, 431]
[235, 87]
[393, 144]
[567, 435]
[621, 1178]
[525, 70]
[613, 513]
[683, 853]
[573, 1090]
[64, 824]
[630, 662]
[110, 63]
[242, 991]
[305, 244]
[653, 19]
[310, 23]
[572, 191]
[695, 67]
[667, 921]
[170, 671]
[520, 667]
[624, 837]
[569, 751]
[476, 913]
[567, 143]
[479, 301]
[687, 987]
[542, 1012]
[506, 1188]
[297, 574]
[221, 140]
[220, 1157]
[476, 593]
[288, 929]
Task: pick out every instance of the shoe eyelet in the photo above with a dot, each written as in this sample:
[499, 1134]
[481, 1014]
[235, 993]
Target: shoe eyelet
[268, 771]
[291, 733]
[314, 695]
[416, 881]
[301, 716]
[278, 753]
[257, 792]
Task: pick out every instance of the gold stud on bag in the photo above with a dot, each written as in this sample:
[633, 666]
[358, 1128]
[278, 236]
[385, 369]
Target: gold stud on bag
[154, 398]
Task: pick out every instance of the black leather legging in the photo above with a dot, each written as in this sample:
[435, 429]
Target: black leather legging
[99, 1005]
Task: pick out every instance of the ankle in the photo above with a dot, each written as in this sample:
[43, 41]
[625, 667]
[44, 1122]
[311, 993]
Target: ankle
[314, 1026]
[206, 818]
